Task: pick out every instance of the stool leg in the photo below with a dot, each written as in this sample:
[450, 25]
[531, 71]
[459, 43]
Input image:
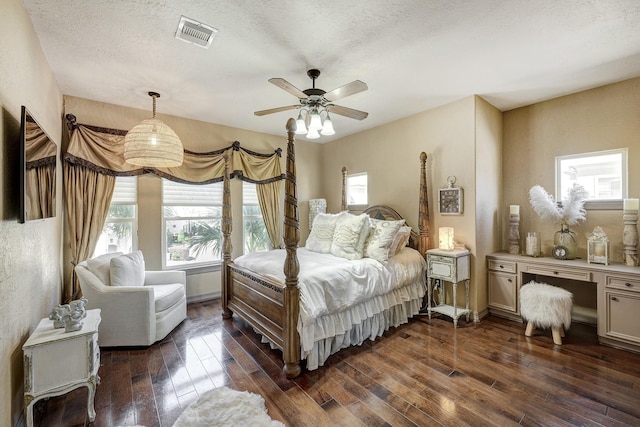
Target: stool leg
[529, 330]
[557, 340]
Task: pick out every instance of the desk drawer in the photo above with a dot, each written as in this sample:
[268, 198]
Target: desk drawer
[506, 266]
[561, 272]
[622, 283]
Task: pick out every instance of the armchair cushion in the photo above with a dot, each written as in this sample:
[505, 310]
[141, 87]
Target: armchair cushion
[100, 266]
[167, 295]
[128, 270]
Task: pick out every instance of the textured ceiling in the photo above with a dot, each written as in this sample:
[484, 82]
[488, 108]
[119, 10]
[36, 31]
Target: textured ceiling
[413, 55]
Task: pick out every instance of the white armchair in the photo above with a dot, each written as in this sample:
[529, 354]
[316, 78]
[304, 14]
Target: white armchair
[136, 315]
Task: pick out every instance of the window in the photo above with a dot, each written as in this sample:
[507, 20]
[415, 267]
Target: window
[192, 223]
[603, 174]
[255, 235]
[120, 229]
[357, 190]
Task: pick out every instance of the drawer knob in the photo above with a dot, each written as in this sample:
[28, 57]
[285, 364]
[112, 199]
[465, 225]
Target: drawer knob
[614, 299]
[501, 266]
[555, 272]
[628, 284]
[509, 280]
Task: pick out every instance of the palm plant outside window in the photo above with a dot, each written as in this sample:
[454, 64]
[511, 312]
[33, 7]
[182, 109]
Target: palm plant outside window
[255, 235]
[120, 229]
[192, 220]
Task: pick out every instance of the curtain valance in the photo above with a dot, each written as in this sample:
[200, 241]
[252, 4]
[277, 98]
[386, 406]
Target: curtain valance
[102, 150]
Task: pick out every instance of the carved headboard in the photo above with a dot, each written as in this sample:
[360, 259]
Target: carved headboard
[387, 213]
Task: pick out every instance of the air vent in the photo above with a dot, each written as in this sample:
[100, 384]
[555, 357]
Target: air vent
[195, 32]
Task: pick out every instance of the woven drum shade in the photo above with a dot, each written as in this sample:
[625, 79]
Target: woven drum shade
[152, 143]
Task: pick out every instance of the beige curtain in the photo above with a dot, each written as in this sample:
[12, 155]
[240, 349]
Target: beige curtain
[88, 195]
[269, 199]
[95, 156]
[39, 182]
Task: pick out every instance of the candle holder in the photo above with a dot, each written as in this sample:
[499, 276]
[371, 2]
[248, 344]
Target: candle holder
[532, 246]
[514, 234]
[630, 237]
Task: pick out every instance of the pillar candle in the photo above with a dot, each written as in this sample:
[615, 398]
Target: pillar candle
[631, 204]
[514, 210]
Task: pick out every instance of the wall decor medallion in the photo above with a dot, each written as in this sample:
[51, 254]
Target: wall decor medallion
[450, 198]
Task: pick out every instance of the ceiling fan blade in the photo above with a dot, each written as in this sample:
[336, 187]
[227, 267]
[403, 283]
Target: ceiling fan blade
[348, 112]
[352, 88]
[275, 110]
[283, 84]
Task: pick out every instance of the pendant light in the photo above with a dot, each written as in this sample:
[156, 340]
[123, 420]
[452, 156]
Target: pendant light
[151, 143]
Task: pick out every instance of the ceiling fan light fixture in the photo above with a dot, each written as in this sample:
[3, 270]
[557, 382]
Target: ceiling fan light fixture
[316, 120]
[313, 133]
[327, 127]
[301, 127]
[151, 143]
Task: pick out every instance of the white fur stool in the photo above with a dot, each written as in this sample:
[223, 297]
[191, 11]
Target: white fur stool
[545, 306]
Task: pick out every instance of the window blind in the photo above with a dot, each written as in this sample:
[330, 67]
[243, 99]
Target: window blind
[125, 191]
[178, 194]
[249, 194]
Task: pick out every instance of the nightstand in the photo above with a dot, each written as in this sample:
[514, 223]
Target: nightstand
[448, 266]
[56, 362]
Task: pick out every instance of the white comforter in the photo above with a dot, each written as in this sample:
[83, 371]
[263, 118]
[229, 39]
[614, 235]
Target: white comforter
[329, 284]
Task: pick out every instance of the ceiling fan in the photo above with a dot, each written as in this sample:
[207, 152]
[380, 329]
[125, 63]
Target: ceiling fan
[315, 102]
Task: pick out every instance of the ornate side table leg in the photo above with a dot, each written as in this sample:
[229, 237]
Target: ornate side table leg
[466, 288]
[455, 305]
[429, 297]
[91, 410]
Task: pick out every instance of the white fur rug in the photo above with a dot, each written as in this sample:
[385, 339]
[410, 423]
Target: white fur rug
[226, 407]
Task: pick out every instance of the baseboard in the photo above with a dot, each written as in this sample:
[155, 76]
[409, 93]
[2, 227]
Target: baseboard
[478, 316]
[204, 297]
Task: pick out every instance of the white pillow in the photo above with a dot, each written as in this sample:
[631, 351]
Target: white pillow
[380, 238]
[400, 240]
[128, 270]
[101, 265]
[321, 235]
[350, 235]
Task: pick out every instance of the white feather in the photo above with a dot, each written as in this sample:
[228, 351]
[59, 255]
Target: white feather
[569, 212]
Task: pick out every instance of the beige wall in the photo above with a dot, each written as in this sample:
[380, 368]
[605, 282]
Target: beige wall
[30, 263]
[488, 126]
[390, 156]
[200, 137]
[604, 118]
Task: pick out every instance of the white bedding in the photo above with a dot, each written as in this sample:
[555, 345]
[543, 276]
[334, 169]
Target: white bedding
[336, 293]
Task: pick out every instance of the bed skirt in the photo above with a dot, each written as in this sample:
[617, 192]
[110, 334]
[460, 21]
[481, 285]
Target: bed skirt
[368, 320]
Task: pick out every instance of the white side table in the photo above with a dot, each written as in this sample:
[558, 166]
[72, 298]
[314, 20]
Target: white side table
[56, 362]
[449, 266]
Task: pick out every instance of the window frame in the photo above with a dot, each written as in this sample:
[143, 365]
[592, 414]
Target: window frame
[132, 220]
[213, 265]
[245, 217]
[598, 204]
[358, 206]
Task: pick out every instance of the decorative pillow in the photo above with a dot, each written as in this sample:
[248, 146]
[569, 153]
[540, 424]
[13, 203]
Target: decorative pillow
[380, 238]
[350, 235]
[101, 265]
[321, 235]
[400, 240]
[128, 270]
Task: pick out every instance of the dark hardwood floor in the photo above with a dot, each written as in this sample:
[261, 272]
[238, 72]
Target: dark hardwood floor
[420, 374]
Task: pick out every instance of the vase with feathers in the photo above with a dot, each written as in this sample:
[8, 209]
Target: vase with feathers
[567, 212]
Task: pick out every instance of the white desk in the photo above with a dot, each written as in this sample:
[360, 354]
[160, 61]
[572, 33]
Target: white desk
[617, 287]
[56, 362]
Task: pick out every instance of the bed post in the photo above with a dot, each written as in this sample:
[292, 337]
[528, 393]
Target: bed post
[226, 238]
[291, 351]
[344, 189]
[423, 212]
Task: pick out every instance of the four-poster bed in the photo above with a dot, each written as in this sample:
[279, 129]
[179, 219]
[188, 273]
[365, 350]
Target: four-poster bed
[271, 302]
